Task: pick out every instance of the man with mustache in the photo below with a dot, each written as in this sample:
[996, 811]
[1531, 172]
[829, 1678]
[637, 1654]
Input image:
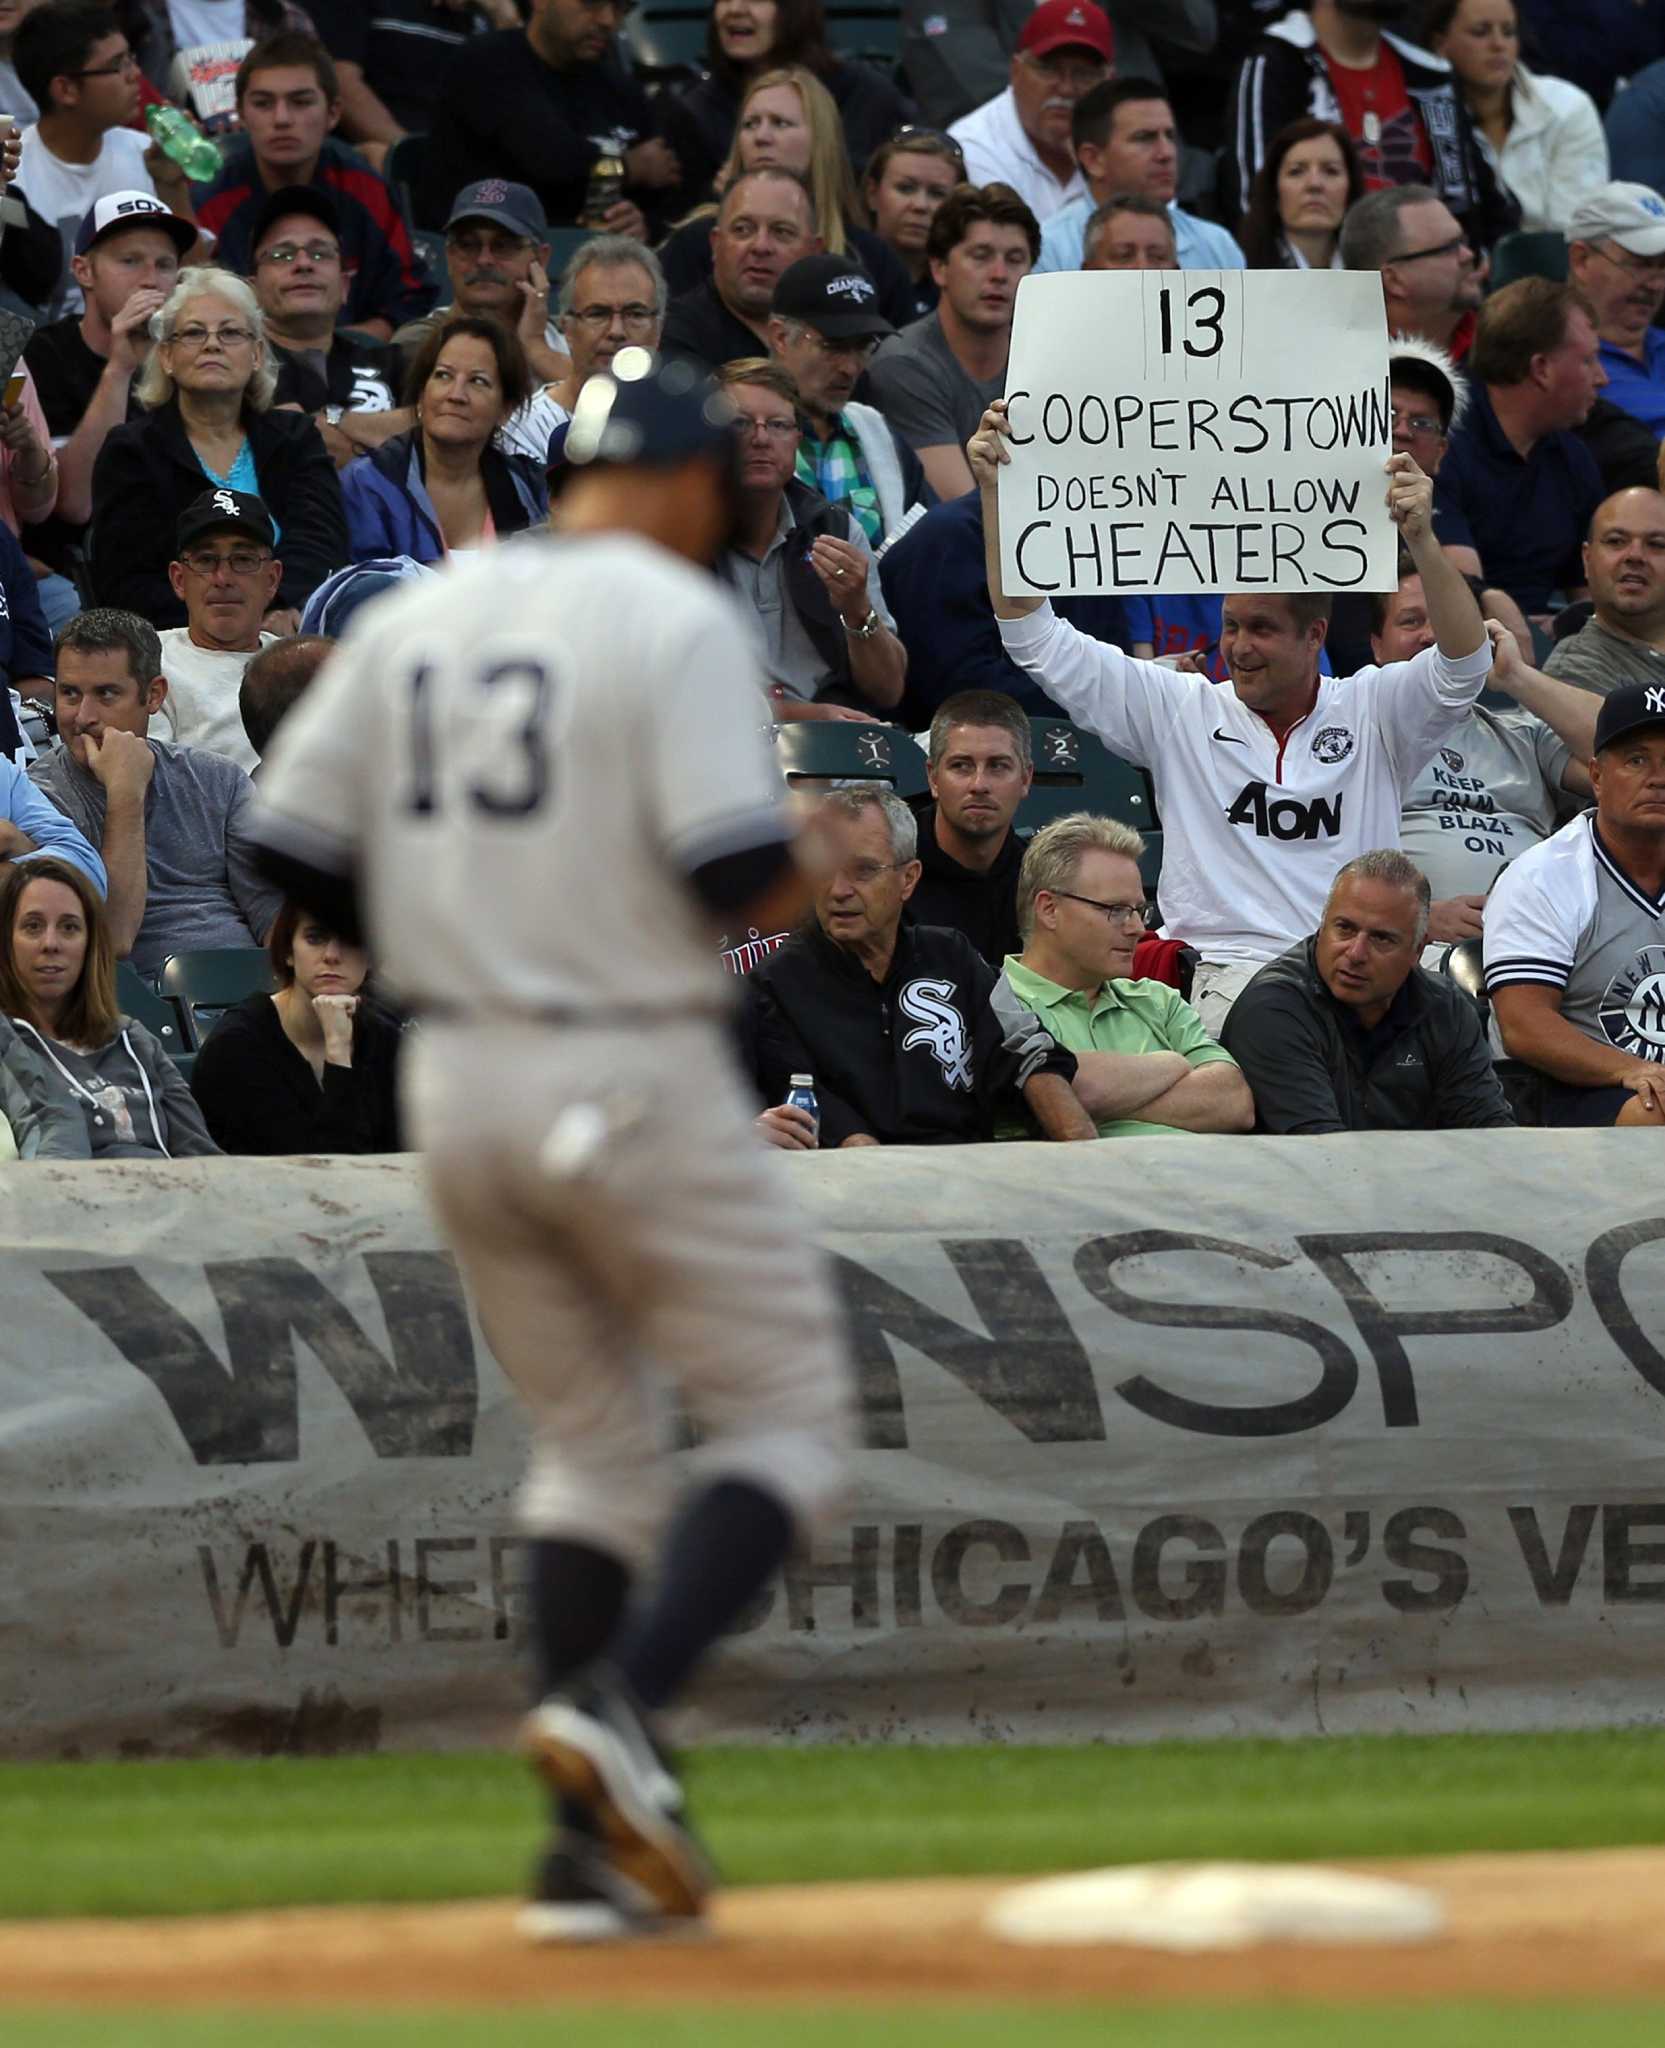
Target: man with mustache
[1022, 137]
[497, 255]
[1336, 59]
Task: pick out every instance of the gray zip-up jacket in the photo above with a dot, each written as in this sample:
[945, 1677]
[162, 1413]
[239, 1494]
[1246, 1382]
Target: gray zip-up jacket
[44, 1125]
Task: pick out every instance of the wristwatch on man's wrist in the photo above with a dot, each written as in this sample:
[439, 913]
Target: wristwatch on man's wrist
[868, 627]
[332, 415]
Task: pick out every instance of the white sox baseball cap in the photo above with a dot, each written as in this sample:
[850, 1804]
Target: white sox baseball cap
[1631, 215]
[118, 210]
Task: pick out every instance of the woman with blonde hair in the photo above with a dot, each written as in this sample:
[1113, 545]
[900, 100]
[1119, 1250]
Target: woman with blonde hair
[209, 424]
[116, 1092]
[744, 39]
[789, 121]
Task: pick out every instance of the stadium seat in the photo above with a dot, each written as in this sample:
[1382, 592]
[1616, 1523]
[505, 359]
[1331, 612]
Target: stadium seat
[841, 751]
[430, 249]
[870, 32]
[406, 170]
[667, 43]
[157, 1013]
[1463, 964]
[564, 244]
[1529, 253]
[1075, 772]
[205, 985]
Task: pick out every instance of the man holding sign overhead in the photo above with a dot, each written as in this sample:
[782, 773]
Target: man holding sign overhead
[1267, 784]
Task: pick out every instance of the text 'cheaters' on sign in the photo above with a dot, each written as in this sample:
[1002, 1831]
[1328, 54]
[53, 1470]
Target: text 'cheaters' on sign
[1195, 431]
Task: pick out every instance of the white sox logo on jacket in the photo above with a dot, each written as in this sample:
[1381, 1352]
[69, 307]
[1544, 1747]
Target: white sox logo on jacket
[942, 1029]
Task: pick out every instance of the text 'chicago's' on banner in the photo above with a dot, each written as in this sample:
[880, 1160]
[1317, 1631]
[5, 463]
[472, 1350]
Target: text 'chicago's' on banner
[1197, 431]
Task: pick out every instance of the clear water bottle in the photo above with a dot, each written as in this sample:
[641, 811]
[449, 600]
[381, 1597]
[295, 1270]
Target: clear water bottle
[178, 136]
[801, 1095]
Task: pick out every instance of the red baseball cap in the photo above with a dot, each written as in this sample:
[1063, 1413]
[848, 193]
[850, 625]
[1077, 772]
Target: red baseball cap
[1068, 24]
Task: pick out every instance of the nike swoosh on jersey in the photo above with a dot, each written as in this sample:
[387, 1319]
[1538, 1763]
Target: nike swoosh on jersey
[1231, 736]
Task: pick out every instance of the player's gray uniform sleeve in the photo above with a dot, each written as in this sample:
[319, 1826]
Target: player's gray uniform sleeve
[1130, 705]
[717, 788]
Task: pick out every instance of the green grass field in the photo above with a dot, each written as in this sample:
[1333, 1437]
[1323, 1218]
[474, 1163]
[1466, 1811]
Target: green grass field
[192, 1838]
[175, 1838]
[1433, 2026]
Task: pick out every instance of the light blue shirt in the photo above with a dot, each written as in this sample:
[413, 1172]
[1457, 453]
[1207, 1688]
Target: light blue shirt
[39, 819]
[1201, 244]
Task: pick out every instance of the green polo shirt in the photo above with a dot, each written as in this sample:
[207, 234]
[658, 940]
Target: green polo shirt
[1119, 1016]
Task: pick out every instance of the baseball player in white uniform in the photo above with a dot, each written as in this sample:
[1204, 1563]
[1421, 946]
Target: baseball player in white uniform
[1269, 784]
[545, 780]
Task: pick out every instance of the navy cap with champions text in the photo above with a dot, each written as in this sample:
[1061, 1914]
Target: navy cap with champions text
[216, 510]
[119, 210]
[511, 206]
[1629, 709]
[643, 411]
[309, 201]
[833, 295]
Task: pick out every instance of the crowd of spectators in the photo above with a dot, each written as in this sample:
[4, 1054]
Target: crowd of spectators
[242, 400]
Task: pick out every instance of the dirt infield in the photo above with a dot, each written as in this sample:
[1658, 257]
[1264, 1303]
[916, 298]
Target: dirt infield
[1521, 1927]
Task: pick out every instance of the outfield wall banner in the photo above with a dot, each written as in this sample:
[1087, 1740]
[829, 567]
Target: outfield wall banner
[1163, 1437]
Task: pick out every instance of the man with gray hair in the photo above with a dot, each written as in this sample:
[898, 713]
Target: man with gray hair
[1431, 285]
[611, 295]
[893, 1019]
[1345, 1032]
[1145, 1061]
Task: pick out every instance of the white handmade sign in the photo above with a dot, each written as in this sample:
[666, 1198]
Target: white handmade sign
[1199, 430]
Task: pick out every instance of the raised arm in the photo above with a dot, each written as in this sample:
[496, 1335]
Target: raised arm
[1452, 611]
[985, 452]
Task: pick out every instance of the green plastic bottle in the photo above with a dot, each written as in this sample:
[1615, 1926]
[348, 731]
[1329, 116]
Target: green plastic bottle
[178, 136]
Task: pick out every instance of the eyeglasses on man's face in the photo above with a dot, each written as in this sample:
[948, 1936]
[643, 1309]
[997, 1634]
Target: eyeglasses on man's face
[745, 428]
[634, 318]
[1113, 913]
[124, 66]
[284, 253]
[240, 561]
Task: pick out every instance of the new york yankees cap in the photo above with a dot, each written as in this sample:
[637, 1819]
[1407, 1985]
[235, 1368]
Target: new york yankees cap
[118, 210]
[832, 294]
[1627, 710]
[220, 508]
[1631, 215]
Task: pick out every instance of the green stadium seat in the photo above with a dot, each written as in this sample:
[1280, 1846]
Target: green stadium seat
[160, 1016]
[817, 749]
[1529, 253]
[667, 44]
[871, 33]
[205, 985]
[1076, 772]
[564, 244]
[430, 248]
[406, 170]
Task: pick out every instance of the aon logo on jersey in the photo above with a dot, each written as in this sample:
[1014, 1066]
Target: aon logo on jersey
[1287, 817]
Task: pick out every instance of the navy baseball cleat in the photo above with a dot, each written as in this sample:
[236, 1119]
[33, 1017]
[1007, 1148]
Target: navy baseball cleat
[579, 1896]
[594, 1747]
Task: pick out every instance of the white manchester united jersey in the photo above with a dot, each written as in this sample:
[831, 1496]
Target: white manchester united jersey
[1255, 828]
